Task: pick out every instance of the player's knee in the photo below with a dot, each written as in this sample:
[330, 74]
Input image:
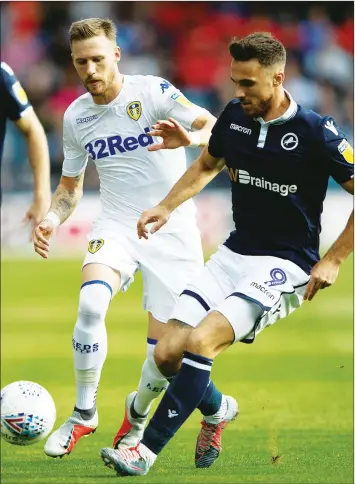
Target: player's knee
[168, 356]
[93, 303]
[197, 343]
[170, 348]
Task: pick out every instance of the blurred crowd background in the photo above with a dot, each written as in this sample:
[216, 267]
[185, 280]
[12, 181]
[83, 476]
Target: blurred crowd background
[185, 42]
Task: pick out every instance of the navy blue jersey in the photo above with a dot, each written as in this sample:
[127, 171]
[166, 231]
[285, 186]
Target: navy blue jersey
[279, 172]
[13, 99]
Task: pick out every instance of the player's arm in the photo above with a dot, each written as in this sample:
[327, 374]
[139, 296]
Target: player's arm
[69, 191]
[174, 135]
[180, 122]
[64, 200]
[67, 196]
[344, 244]
[38, 155]
[325, 272]
[339, 157]
[196, 177]
[18, 109]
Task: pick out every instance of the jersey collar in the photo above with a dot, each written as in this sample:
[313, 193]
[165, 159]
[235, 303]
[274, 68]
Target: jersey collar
[286, 116]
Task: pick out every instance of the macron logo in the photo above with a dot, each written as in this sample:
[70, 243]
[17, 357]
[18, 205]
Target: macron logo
[172, 413]
[236, 127]
[330, 125]
[246, 179]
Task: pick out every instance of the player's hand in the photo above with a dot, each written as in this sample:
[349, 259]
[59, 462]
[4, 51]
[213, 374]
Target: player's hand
[159, 214]
[41, 237]
[173, 134]
[36, 213]
[323, 274]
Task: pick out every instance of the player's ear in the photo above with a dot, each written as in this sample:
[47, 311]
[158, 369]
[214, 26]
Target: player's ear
[117, 53]
[278, 79]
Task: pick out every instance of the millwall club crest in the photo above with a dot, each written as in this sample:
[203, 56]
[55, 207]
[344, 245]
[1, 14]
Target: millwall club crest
[134, 110]
[95, 245]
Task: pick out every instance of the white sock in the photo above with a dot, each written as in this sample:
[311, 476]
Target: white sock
[151, 384]
[218, 417]
[90, 341]
[87, 382]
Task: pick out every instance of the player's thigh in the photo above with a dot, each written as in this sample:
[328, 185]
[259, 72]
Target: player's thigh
[107, 257]
[213, 335]
[99, 272]
[207, 289]
[156, 328]
[167, 264]
[273, 287]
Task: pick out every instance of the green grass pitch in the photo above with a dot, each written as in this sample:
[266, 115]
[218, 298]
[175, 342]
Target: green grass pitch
[294, 386]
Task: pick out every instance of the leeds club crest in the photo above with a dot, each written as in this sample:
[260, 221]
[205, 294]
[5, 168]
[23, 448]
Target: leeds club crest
[134, 110]
[95, 245]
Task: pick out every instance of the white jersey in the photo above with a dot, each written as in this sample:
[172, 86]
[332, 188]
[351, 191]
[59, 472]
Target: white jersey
[132, 179]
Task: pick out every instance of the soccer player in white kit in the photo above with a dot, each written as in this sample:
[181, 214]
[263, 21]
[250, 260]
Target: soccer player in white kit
[110, 125]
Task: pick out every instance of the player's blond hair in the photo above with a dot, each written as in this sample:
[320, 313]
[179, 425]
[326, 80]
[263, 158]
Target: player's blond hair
[92, 27]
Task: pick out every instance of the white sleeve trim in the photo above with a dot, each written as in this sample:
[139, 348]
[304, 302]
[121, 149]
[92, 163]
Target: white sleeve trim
[26, 111]
[72, 173]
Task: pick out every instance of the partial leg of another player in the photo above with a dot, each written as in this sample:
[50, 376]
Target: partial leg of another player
[256, 292]
[164, 277]
[158, 369]
[150, 386]
[99, 284]
[204, 343]
[218, 410]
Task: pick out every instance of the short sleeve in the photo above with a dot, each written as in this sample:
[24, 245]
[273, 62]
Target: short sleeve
[338, 151]
[216, 142]
[14, 98]
[75, 157]
[170, 102]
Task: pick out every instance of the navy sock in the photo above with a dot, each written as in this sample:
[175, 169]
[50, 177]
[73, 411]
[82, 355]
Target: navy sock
[211, 400]
[181, 398]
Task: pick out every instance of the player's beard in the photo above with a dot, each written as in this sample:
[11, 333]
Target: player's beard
[98, 90]
[259, 110]
[101, 88]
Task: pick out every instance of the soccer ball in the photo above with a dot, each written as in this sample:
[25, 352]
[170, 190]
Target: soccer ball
[27, 413]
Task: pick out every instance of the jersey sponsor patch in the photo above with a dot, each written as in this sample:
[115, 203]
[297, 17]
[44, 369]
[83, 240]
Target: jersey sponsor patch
[245, 178]
[95, 245]
[181, 99]
[346, 150]
[134, 110]
[20, 93]
[103, 147]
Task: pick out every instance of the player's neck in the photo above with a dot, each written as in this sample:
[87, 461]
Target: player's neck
[280, 104]
[112, 92]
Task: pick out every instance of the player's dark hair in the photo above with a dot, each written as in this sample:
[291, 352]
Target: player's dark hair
[259, 45]
[92, 27]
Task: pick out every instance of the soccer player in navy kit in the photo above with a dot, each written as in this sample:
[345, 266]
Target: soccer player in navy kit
[279, 157]
[16, 107]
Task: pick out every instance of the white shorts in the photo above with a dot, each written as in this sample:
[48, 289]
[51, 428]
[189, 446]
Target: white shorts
[276, 285]
[168, 261]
